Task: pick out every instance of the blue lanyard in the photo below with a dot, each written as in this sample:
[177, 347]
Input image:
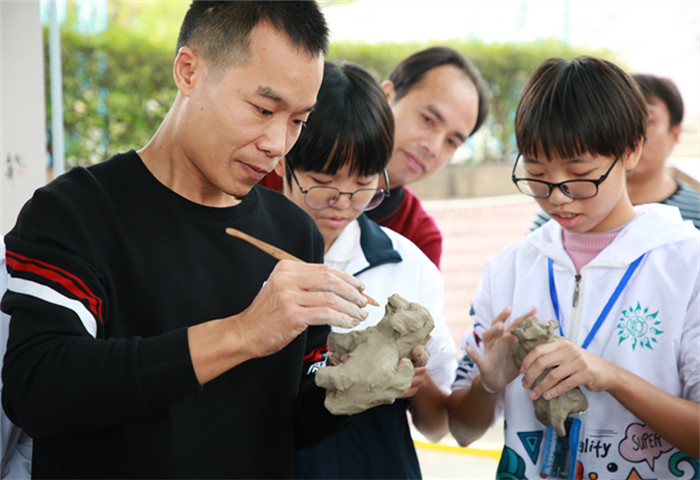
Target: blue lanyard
[606, 309]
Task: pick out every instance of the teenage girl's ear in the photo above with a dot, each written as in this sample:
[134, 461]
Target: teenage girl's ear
[632, 157]
[187, 69]
[676, 132]
[389, 90]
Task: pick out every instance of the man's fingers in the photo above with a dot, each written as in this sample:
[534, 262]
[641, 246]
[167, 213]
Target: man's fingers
[325, 308]
[346, 277]
[327, 296]
[333, 318]
[322, 278]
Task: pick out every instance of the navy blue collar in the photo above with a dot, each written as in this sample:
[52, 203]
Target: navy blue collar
[376, 245]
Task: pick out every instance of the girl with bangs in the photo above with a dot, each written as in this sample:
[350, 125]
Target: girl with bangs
[335, 173]
[620, 280]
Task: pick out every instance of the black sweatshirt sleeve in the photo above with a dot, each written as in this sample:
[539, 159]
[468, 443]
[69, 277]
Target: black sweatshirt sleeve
[60, 374]
[315, 422]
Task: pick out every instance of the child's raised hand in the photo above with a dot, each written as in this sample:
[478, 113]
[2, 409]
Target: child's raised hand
[572, 366]
[496, 365]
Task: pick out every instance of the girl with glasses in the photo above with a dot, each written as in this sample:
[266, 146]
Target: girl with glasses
[621, 281]
[335, 173]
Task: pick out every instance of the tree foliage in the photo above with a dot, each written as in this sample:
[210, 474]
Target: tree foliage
[118, 85]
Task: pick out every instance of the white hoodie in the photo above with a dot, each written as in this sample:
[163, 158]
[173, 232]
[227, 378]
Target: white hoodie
[652, 330]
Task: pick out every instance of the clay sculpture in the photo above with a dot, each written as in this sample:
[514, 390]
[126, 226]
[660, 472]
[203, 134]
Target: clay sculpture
[550, 412]
[372, 373]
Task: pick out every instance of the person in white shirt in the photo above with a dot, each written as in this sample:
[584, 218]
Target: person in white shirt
[622, 282]
[335, 172]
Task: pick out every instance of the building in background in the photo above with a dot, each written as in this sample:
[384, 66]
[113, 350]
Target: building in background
[22, 116]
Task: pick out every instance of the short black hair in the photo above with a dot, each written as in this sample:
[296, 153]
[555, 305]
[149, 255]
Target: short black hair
[586, 105]
[665, 90]
[220, 30]
[352, 124]
[409, 72]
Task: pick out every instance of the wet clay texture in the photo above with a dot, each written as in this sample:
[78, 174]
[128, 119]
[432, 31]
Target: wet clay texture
[372, 374]
[550, 412]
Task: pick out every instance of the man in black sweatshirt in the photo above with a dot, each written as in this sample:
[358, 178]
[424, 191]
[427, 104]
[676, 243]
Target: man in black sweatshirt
[146, 342]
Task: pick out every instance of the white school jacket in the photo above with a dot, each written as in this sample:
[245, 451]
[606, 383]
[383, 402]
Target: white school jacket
[387, 263]
[652, 330]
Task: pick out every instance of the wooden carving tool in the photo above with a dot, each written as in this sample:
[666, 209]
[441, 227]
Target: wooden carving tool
[278, 253]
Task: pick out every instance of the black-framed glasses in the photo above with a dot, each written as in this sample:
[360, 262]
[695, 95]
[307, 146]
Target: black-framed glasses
[577, 189]
[362, 199]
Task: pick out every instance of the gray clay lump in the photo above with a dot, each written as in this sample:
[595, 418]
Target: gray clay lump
[372, 374]
[550, 412]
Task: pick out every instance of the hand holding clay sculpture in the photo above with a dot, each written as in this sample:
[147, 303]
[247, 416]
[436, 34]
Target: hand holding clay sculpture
[372, 373]
[550, 412]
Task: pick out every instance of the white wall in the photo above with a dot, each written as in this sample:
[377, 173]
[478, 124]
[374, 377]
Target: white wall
[22, 117]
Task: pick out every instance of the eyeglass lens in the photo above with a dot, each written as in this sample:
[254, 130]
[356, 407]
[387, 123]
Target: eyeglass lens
[572, 188]
[363, 199]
